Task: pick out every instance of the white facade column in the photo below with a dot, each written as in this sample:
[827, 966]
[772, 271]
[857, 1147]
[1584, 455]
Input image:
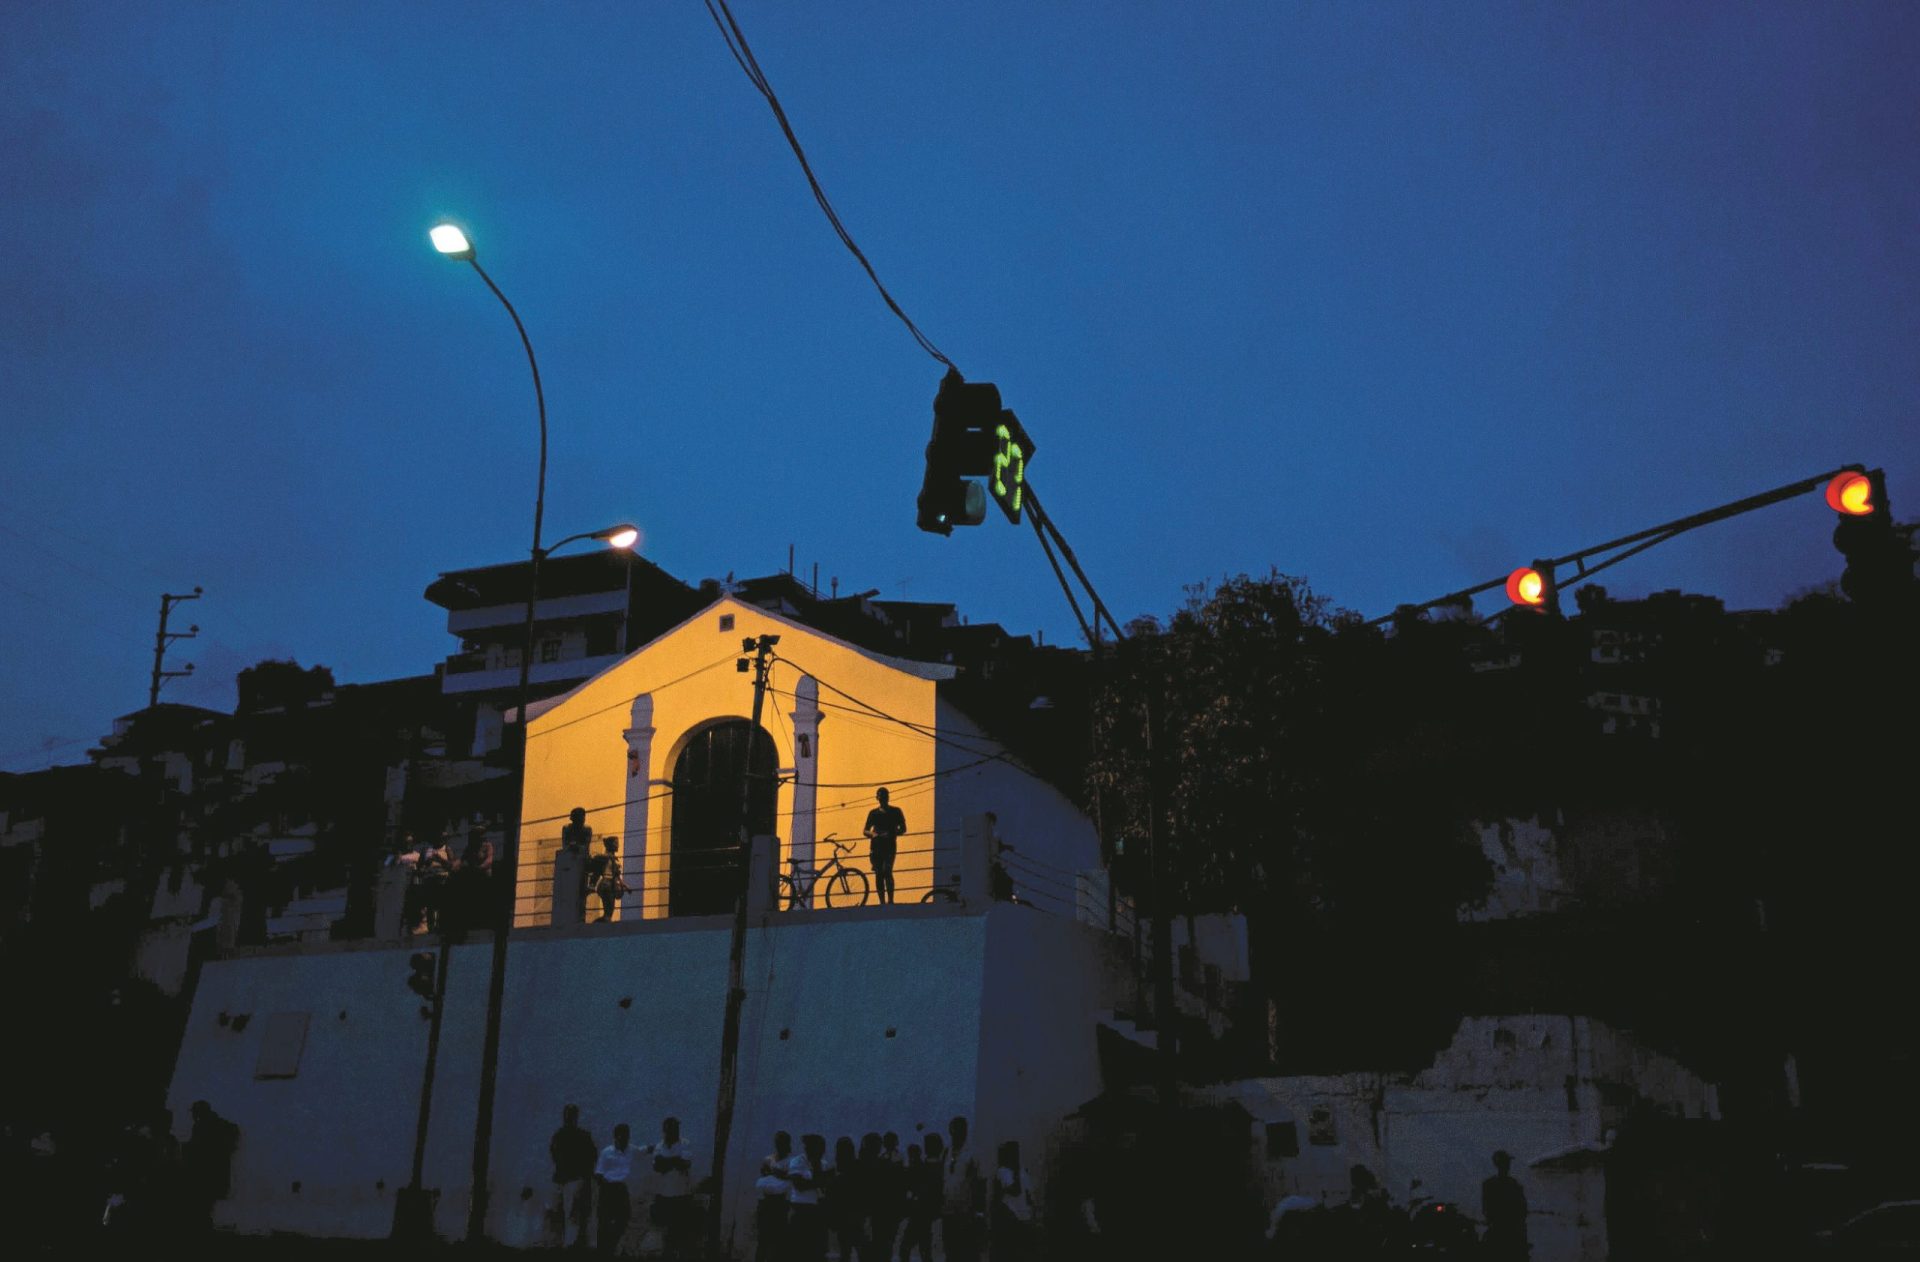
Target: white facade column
[806, 767]
[639, 782]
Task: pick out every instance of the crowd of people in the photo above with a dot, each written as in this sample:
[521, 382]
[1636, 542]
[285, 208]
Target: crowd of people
[877, 1202]
[593, 1187]
[871, 1201]
[1368, 1225]
[446, 892]
[144, 1183]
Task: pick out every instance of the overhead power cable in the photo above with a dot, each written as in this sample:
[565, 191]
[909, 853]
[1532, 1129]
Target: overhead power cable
[742, 54]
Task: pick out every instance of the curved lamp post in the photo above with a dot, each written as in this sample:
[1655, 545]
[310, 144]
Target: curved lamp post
[452, 242]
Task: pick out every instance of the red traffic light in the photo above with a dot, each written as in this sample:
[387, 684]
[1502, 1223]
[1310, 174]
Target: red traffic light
[1527, 586]
[1851, 495]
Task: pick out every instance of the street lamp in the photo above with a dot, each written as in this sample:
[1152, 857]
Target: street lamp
[453, 243]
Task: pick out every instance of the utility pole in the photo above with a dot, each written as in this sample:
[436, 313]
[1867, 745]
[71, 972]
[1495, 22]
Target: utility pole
[762, 649]
[161, 639]
[1165, 1014]
[413, 1207]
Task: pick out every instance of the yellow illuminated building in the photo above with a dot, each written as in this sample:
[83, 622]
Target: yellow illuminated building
[651, 748]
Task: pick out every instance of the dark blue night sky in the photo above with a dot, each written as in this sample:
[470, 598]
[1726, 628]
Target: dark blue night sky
[1391, 296]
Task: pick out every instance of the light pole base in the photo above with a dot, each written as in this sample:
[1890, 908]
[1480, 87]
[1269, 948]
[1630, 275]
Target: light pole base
[413, 1214]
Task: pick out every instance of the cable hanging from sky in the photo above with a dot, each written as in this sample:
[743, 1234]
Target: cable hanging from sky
[743, 55]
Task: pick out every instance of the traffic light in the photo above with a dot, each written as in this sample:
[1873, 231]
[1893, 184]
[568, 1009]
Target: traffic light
[1011, 451]
[1879, 558]
[1851, 494]
[961, 449]
[973, 437]
[420, 978]
[1532, 587]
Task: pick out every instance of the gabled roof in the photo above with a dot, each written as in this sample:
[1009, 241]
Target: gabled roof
[935, 671]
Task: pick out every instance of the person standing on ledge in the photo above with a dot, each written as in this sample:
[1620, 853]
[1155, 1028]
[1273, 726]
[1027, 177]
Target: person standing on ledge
[884, 825]
[577, 835]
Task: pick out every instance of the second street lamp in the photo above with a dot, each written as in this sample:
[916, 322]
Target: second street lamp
[451, 241]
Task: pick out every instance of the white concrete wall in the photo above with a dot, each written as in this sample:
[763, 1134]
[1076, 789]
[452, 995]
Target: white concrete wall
[1037, 1062]
[344, 1126]
[881, 1011]
[1048, 832]
[1527, 1084]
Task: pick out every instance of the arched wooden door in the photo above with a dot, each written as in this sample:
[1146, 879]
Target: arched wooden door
[707, 870]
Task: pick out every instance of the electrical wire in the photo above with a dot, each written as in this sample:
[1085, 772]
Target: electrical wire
[713, 665]
[923, 729]
[743, 55]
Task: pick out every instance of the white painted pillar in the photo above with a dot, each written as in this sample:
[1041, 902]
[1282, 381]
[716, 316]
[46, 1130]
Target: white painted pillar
[762, 854]
[806, 767]
[639, 791]
[976, 860]
[389, 904]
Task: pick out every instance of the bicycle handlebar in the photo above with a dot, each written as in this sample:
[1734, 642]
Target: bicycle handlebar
[839, 848]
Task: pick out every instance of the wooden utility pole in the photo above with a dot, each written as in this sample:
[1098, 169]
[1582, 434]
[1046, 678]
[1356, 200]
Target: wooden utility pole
[762, 649]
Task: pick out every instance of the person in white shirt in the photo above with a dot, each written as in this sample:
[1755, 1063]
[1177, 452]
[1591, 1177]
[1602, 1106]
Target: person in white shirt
[961, 1214]
[773, 1187]
[673, 1181]
[806, 1228]
[1011, 1230]
[613, 1202]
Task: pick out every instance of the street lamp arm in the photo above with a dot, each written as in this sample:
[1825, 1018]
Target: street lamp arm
[620, 538]
[540, 398]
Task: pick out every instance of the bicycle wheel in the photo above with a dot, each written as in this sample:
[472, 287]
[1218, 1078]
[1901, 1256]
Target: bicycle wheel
[848, 888]
[790, 895]
[940, 894]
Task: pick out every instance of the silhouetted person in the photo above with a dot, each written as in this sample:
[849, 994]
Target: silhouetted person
[576, 835]
[1361, 1227]
[1011, 1230]
[885, 823]
[806, 1225]
[614, 1203]
[924, 1175]
[605, 878]
[774, 1189]
[999, 878]
[845, 1200]
[431, 876]
[673, 1202]
[1503, 1208]
[207, 1164]
[469, 889]
[574, 1157]
[962, 1198]
[887, 1193]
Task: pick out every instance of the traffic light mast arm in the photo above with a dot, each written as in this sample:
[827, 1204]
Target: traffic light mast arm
[1040, 533]
[1044, 527]
[1644, 539]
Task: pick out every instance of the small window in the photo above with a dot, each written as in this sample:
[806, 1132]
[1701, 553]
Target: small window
[1321, 1129]
[549, 650]
[726, 622]
[1283, 1140]
[282, 1043]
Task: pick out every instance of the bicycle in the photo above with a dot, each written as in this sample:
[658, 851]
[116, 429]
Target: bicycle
[846, 886]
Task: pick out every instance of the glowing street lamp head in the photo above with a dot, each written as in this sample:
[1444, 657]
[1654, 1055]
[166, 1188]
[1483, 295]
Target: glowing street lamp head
[622, 537]
[1526, 586]
[450, 241]
[1851, 495]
